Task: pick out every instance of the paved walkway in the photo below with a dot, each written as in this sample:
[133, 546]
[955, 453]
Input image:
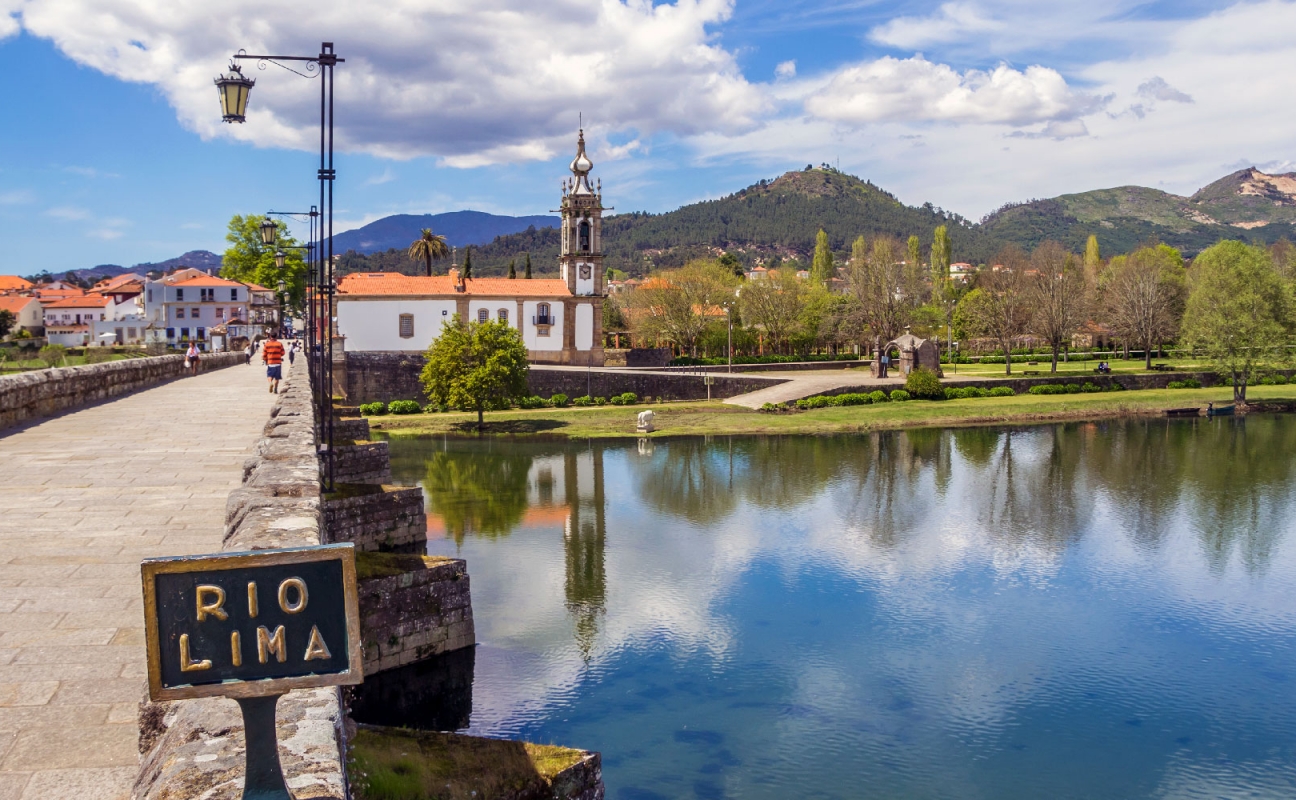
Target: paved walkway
[83, 498]
[806, 384]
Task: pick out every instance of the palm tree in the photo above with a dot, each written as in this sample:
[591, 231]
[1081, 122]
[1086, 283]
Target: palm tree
[428, 246]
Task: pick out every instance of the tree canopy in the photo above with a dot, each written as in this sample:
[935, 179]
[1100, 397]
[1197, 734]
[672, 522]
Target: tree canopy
[247, 260]
[428, 247]
[478, 367]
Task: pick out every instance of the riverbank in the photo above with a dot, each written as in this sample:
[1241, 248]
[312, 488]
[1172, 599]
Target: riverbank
[718, 419]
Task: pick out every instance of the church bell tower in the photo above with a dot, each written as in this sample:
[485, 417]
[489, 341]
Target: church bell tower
[581, 256]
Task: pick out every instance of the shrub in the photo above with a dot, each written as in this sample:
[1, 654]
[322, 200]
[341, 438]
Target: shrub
[770, 408]
[600, 401]
[1090, 387]
[899, 396]
[373, 409]
[558, 400]
[966, 392]
[1176, 385]
[817, 402]
[98, 355]
[1047, 388]
[1115, 387]
[1192, 383]
[1001, 391]
[431, 408]
[534, 401]
[629, 398]
[53, 354]
[878, 397]
[923, 384]
[854, 399]
[583, 400]
[616, 400]
[1072, 388]
[403, 407]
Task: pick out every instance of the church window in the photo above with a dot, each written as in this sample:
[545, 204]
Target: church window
[483, 315]
[584, 236]
[503, 315]
[407, 326]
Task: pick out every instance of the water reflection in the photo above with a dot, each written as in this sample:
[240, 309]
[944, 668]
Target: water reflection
[432, 695]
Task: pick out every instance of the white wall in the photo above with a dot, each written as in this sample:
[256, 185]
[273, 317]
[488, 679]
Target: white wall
[492, 308]
[585, 286]
[584, 326]
[375, 324]
[554, 341]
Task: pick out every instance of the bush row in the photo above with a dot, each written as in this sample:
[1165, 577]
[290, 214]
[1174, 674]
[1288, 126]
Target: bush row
[689, 361]
[557, 401]
[1073, 388]
[1190, 383]
[852, 399]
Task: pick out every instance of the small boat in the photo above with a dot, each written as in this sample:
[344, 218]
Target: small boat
[1222, 411]
[1194, 411]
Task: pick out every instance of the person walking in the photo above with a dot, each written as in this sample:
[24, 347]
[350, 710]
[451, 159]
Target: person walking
[192, 358]
[272, 353]
[292, 351]
[247, 352]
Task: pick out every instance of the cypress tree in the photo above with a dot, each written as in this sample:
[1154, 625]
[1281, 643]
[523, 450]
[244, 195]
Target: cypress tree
[512, 271]
[940, 255]
[821, 268]
[915, 253]
[527, 274]
[467, 265]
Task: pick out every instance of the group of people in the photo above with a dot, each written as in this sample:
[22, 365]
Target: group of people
[1103, 367]
[272, 355]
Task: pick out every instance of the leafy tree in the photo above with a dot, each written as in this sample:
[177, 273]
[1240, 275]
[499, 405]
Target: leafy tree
[1283, 255]
[476, 367]
[527, 273]
[613, 319]
[875, 281]
[1000, 310]
[427, 247]
[1092, 259]
[940, 254]
[913, 254]
[512, 271]
[249, 261]
[7, 321]
[1058, 294]
[731, 262]
[466, 272]
[774, 304]
[1145, 297]
[1239, 312]
[53, 355]
[821, 268]
[675, 305]
[477, 494]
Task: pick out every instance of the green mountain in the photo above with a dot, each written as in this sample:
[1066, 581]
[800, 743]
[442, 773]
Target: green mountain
[773, 221]
[1248, 205]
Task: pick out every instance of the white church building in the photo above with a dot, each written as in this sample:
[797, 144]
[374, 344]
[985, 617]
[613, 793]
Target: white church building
[561, 320]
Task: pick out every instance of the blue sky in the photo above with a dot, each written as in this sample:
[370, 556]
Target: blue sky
[115, 152]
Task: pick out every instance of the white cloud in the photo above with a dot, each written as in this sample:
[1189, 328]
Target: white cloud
[69, 213]
[387, 176]
[785, 69]
[16, 197]
[1056, 130]
[918, 90]
[494, 81]
[953, 22]
[1157, 89]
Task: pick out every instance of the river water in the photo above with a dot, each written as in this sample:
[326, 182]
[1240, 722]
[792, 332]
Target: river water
[1097, 610]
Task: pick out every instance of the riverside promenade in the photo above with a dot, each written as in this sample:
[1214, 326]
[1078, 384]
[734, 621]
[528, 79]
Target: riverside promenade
[83, 498]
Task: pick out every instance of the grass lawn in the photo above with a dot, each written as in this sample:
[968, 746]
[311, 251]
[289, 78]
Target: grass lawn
[715, 418]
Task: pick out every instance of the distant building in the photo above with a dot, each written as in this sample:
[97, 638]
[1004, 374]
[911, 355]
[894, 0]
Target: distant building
[961, 271]
[27, 310]
[13, 283]
[68, 321]
[185, 310]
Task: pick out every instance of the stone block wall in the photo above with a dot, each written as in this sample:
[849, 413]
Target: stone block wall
[40, 393]
[361, 462]
[411, 608]
[194, 748]
[355, 429]
[375, 518]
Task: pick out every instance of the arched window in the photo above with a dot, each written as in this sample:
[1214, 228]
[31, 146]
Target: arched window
[503, 315]
[542, 315]
[483, 315]
[585, 236]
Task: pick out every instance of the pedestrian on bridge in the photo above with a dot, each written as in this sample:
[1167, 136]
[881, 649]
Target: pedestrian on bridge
[191, 358]
[272, 353]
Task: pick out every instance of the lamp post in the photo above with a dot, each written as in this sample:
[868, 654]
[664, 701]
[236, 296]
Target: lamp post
[729, 317]
[234, 90]
[283, 294]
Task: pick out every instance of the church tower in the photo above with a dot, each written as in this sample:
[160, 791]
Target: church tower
[581, 256]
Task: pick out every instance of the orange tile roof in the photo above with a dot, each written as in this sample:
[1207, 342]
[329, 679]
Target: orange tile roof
[393, 283]
[11, 282]
[14, 303]
[206, 280]
[85, 301]
[56, 294]
[108, 283]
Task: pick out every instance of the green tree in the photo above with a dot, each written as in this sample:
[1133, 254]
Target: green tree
[466, 272]
[876, 282]
[247, 260]
[527, 273]
[478, 367]
[940, 255]
[821, 268]
[1144, 297]
[1092, 258]
[676, 305]
[512, 271]
[913, 256]
[477, 494]
[7, 321]
[1239, 312]
[730, 262]
[427, 247]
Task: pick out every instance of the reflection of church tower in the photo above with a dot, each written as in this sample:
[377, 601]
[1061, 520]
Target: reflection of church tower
[581, 257]
[584, 538]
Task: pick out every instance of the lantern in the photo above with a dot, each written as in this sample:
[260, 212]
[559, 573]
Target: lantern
[268, 231]
[234, 89]
[280, 257]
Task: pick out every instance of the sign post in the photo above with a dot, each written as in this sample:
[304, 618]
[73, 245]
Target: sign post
[251, 627]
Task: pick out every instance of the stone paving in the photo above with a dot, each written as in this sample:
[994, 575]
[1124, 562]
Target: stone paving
[83, 498]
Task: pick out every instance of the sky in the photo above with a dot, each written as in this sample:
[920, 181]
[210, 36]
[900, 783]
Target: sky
[114, 150]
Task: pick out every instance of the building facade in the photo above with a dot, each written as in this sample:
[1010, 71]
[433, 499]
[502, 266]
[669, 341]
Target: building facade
[186, 310]
[561, 320]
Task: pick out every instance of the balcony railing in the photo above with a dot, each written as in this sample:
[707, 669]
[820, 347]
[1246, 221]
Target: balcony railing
[539, 320]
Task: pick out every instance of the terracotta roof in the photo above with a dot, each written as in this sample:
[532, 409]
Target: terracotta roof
[254, 287]
[206, 280]
[14, 303]
[85, 301]
[56, 294]
[9, 282]
[108, 283]
[393, 283]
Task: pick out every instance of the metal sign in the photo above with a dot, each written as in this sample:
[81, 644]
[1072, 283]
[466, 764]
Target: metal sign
[251, 624]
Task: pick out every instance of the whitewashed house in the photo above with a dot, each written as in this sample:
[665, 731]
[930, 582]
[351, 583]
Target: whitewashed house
[561, 320]
[186, 310]
[28, 313]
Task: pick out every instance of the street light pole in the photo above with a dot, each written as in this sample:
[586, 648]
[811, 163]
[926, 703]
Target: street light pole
[234, 90]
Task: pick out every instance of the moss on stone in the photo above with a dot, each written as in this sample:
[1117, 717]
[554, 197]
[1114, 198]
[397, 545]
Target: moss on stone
[401, 764]
[387, 565]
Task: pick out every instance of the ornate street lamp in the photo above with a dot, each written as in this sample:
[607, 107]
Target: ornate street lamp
[234, 90]
[268, 231]
[280, 258]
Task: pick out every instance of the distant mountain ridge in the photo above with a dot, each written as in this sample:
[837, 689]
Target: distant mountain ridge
[198, 259]
[461, 228]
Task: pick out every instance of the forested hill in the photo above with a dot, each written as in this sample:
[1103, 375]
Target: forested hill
[770, 221]
[1247, 204]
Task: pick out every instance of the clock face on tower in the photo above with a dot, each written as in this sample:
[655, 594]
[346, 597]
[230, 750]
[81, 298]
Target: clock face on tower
[585, 272]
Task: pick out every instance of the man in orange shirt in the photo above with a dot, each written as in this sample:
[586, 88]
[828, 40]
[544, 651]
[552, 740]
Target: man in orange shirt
[272, 353]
